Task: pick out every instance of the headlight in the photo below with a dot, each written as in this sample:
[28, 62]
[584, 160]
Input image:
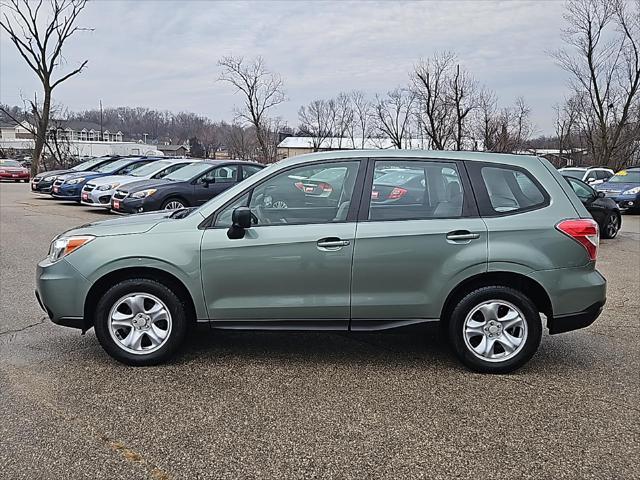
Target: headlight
[144, 193]
[110, 186]
[75, 181]
[61, 247]
[632, 191]
[2, 170]
[50, 178]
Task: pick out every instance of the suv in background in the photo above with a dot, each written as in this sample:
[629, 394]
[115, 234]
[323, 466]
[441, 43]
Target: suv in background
[491, 242]
[589, 175]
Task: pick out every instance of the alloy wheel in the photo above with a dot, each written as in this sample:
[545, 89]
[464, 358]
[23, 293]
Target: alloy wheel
[173, 205]
[612, 226]
[140, 323]
[495, 331]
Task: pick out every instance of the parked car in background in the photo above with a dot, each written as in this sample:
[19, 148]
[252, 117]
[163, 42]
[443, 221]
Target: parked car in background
[69, 185]
[590, 175]
[98, 192]
[624, 188]
[190, 186]
[603, 210]
[43, 182]
[13, 170]
[519, 244]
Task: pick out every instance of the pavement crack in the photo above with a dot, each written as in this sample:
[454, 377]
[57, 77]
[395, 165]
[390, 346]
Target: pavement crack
[18, 330]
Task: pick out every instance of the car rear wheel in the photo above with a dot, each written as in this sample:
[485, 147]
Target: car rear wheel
[173, 204]
[611, 225]
[140, 322]
[495, 329]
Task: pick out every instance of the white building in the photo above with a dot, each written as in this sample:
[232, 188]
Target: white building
[81, 139]
[292, 146]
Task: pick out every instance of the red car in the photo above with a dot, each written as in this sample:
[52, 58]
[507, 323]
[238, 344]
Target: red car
[12, 170]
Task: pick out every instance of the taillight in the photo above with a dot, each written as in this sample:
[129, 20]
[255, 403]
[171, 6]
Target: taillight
[396, 193]
[584, 231]
[299, 186]
[325, 187]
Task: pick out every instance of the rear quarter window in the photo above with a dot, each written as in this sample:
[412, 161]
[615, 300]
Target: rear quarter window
[506, 190]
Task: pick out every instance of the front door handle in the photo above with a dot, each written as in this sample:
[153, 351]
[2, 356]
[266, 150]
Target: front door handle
[461, 235]
[332, 243]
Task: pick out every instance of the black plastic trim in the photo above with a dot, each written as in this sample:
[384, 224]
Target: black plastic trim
[575, 321]
[370, 325]
[308, 324]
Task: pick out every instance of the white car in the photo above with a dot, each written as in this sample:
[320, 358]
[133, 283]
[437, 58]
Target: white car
[590, 175]
[98, 192]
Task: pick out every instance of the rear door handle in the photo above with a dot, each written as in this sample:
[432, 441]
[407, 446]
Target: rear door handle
[332, 243]
[459, 235]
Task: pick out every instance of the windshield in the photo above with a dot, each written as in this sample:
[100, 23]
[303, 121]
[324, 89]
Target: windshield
[113, 166]
[187, 173]
[572, 172]
[149, 168]
[88, 164]
[626, 176]
[10, 163]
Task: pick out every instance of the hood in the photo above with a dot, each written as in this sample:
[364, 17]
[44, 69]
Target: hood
[88, 174]
[139, 185]
[13, 169]
[119, 179]
[617, 186]
[139, 223]
[54, 173]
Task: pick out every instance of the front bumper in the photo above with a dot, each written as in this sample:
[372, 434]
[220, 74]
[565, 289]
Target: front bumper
[61, 291]
[41, 187]
[96, 198]
[66, 192]
[134, 205]
[14, 176]
[626, 201]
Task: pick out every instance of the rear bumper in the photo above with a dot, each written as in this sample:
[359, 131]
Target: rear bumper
[575, 321]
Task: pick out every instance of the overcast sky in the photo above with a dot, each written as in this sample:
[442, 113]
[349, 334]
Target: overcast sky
[163, 54]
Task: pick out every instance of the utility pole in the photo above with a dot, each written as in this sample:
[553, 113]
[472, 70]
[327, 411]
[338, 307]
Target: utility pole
[145, 137]
[101, 135]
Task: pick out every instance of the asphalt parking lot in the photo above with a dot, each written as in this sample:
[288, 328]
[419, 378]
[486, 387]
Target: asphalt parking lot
[302, 405]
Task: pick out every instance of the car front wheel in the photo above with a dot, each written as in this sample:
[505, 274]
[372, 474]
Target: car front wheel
[495, 329]
[173, 204]
[140, 322]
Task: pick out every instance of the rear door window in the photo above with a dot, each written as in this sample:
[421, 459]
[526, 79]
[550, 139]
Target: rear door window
[508, 190]
[415, 190]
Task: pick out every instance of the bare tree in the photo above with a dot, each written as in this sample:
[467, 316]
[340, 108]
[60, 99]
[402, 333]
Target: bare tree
[40, 43]
[431, 82]
[603, 59]
[507, 130]
[318, 119]
[447, 94]
[262, 91]
[362, 115]
[393, 115]
[565, 125]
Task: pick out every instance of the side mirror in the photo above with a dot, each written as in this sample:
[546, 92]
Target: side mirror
[241, 220]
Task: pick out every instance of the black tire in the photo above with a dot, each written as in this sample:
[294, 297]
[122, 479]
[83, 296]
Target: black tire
[175, 306]
[455, 329]
[611, 225]
[174, 199]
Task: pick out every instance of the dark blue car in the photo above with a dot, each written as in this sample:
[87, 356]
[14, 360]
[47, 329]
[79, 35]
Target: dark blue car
[624, 188]
[69, 186]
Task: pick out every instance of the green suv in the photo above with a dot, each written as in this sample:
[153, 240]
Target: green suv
[484, 243]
